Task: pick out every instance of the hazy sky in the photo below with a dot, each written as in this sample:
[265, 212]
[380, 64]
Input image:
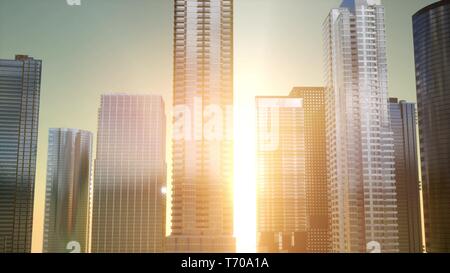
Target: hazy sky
[107, 46]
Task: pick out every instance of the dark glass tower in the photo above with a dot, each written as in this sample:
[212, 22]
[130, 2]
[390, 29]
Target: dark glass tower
[20, 82]
[432, 57]
[403, 124]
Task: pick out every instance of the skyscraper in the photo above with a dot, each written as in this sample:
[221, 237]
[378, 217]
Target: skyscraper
[361, 167]
[67, 199]
[129, 202]
[403, 124]
[281, 175]
[432, 57]
[292, 193]
[20, 83]
[318, 232]
[202, 205]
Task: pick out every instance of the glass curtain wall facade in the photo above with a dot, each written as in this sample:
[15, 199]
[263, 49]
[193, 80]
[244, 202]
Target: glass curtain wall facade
[67, 205]
[292, 192]
[361, 167]
[129, 202]
[281, 175]
[20, 83]
[432, 56]
[202, 193]
[403, 123]
[318, 232]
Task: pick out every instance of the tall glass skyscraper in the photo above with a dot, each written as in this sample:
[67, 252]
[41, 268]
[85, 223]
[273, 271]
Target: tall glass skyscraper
[67, 198]
[318, 231]
[361, 167]
[432, 56]
[281, 175]
[292, 193]
[20, 84]
[129, 202]
[403, 124]
[202, 204]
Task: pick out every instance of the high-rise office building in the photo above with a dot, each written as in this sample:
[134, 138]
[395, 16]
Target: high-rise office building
[67, 198]
[403, 124]
[281, 175]
[361, 167]
[318, 232]
[20, 83]
[432, 57]
[292, 192]
[128, 212]
[202, 194]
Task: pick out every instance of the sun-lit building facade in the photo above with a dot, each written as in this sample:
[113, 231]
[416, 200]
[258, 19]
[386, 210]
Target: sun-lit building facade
[361, 166]
[281, 178]
[292, 192]
[202, 193]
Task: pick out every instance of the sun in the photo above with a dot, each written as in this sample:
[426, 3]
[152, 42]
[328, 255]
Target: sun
[245, 174]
